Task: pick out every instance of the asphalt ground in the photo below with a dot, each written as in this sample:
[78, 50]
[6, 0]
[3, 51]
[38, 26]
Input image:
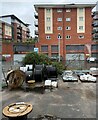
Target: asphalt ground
[69, 100]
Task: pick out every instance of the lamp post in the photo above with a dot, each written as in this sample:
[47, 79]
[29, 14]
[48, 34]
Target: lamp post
[59, 37]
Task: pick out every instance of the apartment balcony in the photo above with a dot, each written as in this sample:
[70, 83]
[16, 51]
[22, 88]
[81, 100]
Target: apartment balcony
[19, 36]
[28, 30]
[95, 36]
[36, 23]
[95, 31]
[28, 35]
[36, 32]
[93, 14]
[36, 15]
[95, 24]
[19, 27]
[95, 17]
[19, 32]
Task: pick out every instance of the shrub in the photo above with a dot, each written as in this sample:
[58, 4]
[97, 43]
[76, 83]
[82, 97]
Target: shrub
[60, 67]
[3, 58]
[35, 58]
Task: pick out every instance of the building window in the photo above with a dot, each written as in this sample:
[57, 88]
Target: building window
[48, 10]
[68, 28]
[68, 10]
[45, 54]
[80, 9]
[0, 31]
[59, 10]
[75, 47]
[54, 56]
[59, 19]
[6, 32]
[44, 48]
[59, 37]
[80, 18]
[54, 48]
[48, 19]
[68, 37]
[48, 37]
[80, 27]
[0, 36]
[68, 19]
[48, 28]
[94, 47]
[59, 28]
[81, 36]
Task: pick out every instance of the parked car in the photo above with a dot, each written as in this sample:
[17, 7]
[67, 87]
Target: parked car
[94, 71]
[68, 76]
[88, 77]
[92, 59]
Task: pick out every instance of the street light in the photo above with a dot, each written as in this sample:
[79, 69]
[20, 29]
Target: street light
[59, 37]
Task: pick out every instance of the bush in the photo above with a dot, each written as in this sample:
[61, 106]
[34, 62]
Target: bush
[3, 58]
[60, 67]
[35, 58]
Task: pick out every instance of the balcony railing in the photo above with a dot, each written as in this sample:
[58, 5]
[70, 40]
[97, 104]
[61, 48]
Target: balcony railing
[28, 30]
[36, 32]
[36, 15]
[95, 24]
[95, 31]
[95, 36]
[19, 27]
[36, 23]
[19, 37]
[19, 32]
[28, 35]
[95, 17]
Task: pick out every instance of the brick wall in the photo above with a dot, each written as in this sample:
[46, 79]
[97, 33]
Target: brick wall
[73, 32]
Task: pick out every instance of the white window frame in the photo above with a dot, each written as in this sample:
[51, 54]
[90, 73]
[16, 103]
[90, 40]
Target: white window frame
[81, 18]
[81, 36]
[80, 27]
[59, 28]
[68, 10]
[59, 10]
[68, 19]
[48, 37]
[48, 28]
[60, 37]
[48, 10]
[59, 19]
[68, 37]
[68, 28]
[80, 9]
[48, 19]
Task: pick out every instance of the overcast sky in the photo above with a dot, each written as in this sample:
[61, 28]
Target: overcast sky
[25, 10]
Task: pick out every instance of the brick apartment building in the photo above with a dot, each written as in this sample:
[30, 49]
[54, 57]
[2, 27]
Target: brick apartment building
[74, 24]
[14, 29]
[94, 47]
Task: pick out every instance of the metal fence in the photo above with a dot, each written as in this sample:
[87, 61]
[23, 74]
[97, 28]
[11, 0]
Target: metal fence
[79, 64]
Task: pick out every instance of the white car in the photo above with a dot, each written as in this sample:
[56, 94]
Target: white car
[88, 77]
[68, 76]
[92, 59]
[94, 71]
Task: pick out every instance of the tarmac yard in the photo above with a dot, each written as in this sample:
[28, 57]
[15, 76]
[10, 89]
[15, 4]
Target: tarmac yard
[69, 100]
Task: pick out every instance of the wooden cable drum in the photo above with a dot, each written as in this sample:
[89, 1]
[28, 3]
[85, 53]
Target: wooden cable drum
[15, 78]
[17, 109]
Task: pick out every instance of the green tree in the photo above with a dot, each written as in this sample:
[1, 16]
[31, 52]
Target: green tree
[35, 58]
